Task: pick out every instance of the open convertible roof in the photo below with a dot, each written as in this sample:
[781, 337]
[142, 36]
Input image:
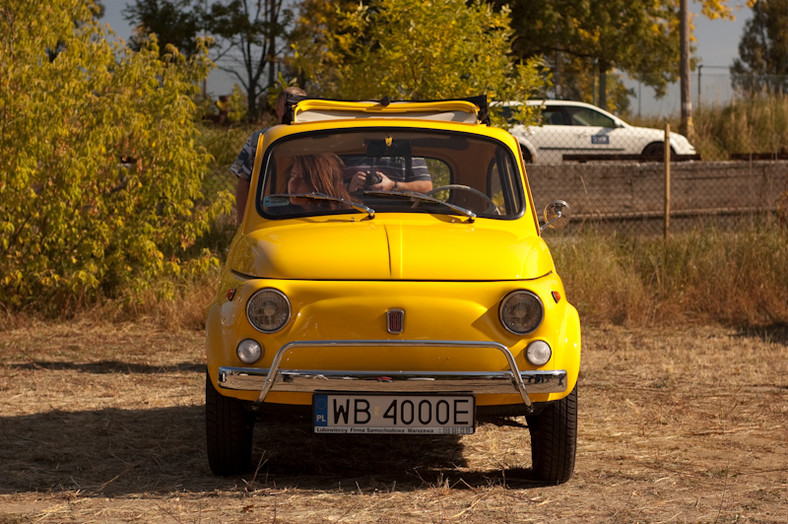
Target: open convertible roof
[300, 109]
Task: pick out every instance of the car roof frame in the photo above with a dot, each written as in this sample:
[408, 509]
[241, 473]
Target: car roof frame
[301, 109]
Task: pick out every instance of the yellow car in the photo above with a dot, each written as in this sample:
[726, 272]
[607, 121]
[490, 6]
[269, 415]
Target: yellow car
[389, 276]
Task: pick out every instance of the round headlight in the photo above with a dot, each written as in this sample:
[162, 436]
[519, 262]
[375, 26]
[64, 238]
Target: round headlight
[521, 312]
[249, 351]
[538, 352]
[268, 310]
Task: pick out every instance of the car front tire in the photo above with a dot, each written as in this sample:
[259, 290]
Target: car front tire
[554, 440]
[656, 151]
[228, 427]
[527, 157]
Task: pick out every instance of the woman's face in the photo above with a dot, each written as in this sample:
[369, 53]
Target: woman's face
[296, 185]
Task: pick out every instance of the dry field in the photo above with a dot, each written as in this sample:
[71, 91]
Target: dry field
[104, 423]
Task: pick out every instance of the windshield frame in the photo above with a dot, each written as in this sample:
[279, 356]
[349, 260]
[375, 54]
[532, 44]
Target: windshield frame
[517, 195]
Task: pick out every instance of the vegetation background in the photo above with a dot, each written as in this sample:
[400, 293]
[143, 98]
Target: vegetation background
[108, 197]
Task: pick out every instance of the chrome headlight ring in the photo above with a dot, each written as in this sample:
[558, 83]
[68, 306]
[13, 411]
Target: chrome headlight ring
[521, 312]
[268, 310]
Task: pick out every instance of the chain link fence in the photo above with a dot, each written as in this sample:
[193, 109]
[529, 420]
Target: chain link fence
[219, 178]
[646, 197]
[620, 178]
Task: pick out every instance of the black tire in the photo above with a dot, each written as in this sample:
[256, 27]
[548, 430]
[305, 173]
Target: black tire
[228, 427]
[526, 155]
[656, 151]
[554, 440]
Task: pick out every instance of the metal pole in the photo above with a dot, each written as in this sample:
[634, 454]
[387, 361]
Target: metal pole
[204, 80]
[640, 96]
[686, 128]
[667, 181]
[700, 68]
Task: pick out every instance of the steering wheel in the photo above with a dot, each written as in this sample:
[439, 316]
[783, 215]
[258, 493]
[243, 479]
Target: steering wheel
[491, 208]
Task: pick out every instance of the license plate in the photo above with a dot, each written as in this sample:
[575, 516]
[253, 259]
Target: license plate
[403, 414]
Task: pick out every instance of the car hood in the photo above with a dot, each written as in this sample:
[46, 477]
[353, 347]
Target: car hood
[379, 250]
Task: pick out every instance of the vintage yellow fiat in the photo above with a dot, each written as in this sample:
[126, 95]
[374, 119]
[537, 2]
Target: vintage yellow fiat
[390, 276]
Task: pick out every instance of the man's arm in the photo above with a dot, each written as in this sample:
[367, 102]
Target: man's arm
[421, 186]
[242, 168]
[387, 184]
[418, 177]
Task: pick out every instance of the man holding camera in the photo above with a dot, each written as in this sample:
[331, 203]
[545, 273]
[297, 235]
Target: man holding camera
[388, 173]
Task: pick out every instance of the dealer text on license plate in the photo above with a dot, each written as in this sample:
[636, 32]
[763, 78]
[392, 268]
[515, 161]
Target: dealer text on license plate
[405, 414]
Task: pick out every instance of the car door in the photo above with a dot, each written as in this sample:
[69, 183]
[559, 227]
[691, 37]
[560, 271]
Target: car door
[593, 131]
[554, 136]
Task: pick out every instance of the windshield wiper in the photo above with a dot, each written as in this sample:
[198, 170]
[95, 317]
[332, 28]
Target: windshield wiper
[421, 197]
[361, 208]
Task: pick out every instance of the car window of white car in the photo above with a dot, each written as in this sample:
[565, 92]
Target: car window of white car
[556, 135]
[594, 130]
[582, 116]
[553, 116]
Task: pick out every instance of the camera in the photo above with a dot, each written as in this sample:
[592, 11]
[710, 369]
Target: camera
[372, 179]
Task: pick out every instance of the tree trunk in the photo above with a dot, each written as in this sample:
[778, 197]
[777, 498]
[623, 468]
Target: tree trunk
[251, 103]
[603, 69]
[686, 128]
[273, 10]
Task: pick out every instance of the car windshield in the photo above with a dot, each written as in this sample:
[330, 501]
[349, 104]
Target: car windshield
[374, 171]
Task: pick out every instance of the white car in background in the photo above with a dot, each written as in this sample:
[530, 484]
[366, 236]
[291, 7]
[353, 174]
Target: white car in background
[577, 128]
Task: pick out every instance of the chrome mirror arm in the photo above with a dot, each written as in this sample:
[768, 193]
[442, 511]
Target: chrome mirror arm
[556, 215]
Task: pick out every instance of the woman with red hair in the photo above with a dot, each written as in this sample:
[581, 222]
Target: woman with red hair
[322, 174]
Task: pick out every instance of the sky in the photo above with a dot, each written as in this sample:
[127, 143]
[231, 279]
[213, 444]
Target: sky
[716, 43]
[716, 47]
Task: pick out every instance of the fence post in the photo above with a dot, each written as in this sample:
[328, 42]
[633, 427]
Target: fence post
[667, 181]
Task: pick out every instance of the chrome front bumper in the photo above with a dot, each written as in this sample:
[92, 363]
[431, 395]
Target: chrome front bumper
[477, 382]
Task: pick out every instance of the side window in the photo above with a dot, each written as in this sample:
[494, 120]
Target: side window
[553, 116]
[439, 171]
[496, 191]
[582, 116]
[502, 184]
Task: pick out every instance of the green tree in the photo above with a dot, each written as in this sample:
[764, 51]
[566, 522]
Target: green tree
[100, 177]
[97, 8]
[636, 36]
[249, 36]
[414, 49]
[250, 41]
[588, 44]
[763, 49]
[317, 25]
[177, 22]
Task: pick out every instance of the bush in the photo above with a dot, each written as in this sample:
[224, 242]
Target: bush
[732, 277]
[755, 124]
[752, 124]
[101, 175]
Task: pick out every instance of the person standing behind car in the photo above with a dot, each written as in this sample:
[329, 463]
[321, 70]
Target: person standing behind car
[244, 162]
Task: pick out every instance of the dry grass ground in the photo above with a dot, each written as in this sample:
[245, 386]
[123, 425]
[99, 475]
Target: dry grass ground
[103, 423]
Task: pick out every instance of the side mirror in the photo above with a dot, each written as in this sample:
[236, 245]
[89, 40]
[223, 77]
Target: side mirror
[556, 215]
